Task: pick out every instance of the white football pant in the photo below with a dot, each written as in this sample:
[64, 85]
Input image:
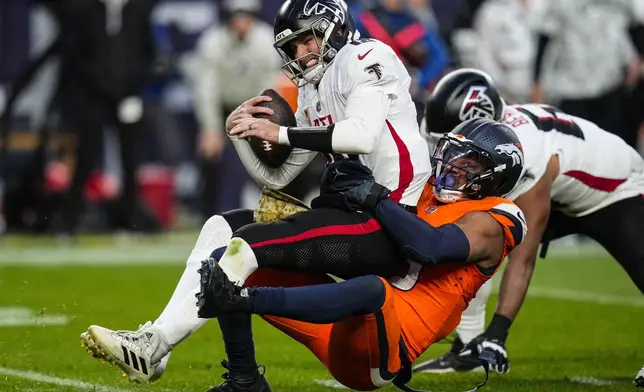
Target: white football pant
[473, 318]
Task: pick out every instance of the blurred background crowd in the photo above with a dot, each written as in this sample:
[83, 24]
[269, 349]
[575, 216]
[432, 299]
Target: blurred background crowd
[112, 111]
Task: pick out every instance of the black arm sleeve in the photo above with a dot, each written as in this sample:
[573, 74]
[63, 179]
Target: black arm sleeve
[312, 138]
[419, 240]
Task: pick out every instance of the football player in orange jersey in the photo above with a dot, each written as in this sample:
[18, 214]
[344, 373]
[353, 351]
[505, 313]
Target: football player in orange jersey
[577, 179]
[368, 331]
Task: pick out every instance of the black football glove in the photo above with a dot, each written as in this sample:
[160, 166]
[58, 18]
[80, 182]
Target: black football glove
[342, 175]
[355, 181]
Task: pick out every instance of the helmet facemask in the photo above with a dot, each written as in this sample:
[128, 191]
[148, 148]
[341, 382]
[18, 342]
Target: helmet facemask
[321, 30]
[460, 170]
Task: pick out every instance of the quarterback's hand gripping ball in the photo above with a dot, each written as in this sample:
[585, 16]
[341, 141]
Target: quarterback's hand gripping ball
[261, 129]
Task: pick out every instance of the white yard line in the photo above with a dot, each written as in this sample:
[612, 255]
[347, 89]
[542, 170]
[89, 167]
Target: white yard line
[598, 382]
[95, 257]
[66, 382]
[330, 383]
[175, 254]
[164, 252]
[585, 296]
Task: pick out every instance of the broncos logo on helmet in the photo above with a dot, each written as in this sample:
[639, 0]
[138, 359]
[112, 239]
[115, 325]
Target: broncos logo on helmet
[511, 150]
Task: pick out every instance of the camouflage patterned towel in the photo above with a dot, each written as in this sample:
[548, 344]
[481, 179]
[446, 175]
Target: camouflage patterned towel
[275, 205]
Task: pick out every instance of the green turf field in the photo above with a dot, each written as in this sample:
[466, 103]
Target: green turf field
[580, 330]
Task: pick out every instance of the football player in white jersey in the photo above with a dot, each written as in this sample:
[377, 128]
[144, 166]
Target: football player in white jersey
[353, 103]
[577, 179]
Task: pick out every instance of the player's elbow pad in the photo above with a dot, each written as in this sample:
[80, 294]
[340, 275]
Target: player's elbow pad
[447, 244]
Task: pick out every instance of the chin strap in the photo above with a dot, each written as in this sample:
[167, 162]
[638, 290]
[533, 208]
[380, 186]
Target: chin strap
[404, 376]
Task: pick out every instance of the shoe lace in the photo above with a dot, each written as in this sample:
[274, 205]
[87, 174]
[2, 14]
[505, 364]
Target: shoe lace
[139, 336]
[141, 329]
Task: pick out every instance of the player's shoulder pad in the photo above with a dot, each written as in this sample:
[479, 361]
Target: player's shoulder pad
[369, 62]
[519, 226]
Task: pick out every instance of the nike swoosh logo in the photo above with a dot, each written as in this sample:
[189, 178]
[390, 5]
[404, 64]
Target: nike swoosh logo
[362, 56]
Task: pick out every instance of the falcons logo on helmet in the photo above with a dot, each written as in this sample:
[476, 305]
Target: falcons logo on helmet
[321, 7]
[476, 104]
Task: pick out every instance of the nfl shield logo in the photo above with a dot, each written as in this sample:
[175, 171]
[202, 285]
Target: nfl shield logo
[430, 209]
[318, 107]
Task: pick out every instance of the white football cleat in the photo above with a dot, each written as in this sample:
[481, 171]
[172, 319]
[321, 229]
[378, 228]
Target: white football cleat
[142, 354]
[639, 379]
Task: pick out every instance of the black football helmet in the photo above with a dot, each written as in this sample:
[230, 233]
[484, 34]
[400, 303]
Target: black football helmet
[329, 20]
[478, 159]
[461, 95]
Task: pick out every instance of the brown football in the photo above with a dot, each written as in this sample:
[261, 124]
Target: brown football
[272, 154]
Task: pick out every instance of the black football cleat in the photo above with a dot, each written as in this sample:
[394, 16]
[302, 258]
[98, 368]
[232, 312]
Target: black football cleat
[455, 360]
[234, 384]
[639, 379]
[218, 294]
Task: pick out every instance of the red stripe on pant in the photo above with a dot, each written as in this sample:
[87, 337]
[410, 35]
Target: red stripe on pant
[367, 227]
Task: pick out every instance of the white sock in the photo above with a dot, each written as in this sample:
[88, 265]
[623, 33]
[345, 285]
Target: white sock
[473, 318]
[239, 261]
[179, 318]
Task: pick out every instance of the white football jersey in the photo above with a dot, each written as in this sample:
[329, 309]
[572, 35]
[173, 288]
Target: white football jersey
[596, 168]
[399, 160]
